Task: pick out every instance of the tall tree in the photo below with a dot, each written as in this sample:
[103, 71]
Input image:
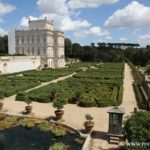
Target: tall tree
[4, 44]
[68, 47]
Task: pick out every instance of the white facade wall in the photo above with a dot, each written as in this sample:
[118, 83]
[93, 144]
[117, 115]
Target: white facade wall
[40, 40]
[18, 63]
[40, 25]
[11, 41]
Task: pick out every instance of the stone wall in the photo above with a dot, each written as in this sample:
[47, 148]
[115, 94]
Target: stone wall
[11, 64]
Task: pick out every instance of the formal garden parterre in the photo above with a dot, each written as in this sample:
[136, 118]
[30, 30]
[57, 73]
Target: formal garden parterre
[96, 84]
[11, 84]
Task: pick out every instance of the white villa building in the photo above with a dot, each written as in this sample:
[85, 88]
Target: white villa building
[40, 41]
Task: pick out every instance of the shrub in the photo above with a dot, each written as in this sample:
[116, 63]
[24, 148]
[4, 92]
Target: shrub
[137, 127]
[87, 103]
[21, 96]
[1, 95]
[104, 103]
[58, 104]
[120, 95]
[58, 131]
[88, 117]
[140, 100]
[59, 146]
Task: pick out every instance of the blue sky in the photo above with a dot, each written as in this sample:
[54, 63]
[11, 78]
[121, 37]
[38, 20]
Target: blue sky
[83, 21]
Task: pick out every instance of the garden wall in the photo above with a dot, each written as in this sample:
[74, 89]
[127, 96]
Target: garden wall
[11, 64]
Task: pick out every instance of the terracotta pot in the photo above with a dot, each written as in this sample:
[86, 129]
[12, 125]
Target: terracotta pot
[59, 114]
[88, 125]
[1, 106]
[28, 109]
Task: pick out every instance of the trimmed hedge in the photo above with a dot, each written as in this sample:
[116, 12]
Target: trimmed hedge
[138, 79]
[94, 91]
[120, 95]
[140, 99]
[87, 103]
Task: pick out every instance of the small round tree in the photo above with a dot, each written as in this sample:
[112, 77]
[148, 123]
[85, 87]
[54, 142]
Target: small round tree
[59, 112]
[28, 108]
[88, 117]
[88, 123]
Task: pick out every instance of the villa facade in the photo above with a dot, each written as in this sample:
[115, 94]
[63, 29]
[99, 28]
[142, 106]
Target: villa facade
[39, 40]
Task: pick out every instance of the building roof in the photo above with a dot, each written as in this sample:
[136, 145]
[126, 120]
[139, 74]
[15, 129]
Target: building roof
[117, 110]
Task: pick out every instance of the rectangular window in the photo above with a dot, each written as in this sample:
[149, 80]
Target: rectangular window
[115, 119]
[22, 40]
[33, 39]
[32, 51]
[38, 40]
[28, 40]
[44, 40]
[17, 41]
[38, 51]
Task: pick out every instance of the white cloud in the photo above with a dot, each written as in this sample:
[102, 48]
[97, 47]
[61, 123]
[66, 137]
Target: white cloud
[52, 6]
[24, 21]
[93, 31]
[144, 39]
[73, 4]
[107, 38]
[58, 11]
[134, 15]
[4, 9]
[123, 39]
[2, 32]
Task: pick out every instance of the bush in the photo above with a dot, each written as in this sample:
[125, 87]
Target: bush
[1, 95]
[120, 95]
[58, 104]
[59, 146]
[138, 127]
[87, 103]
[140, 100]
[21, 96]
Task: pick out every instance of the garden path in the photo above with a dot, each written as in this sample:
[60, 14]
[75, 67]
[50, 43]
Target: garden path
[129, 103]
[75, 115]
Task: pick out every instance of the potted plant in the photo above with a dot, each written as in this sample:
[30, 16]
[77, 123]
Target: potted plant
[28, 108]
[54, 95]
[59, 112]
[1, 103]
[88, 124]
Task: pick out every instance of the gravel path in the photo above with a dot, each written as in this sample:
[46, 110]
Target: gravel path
[75, 115]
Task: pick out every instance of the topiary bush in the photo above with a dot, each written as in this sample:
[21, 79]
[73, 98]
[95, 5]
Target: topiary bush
[21, 96]
[87, 103]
